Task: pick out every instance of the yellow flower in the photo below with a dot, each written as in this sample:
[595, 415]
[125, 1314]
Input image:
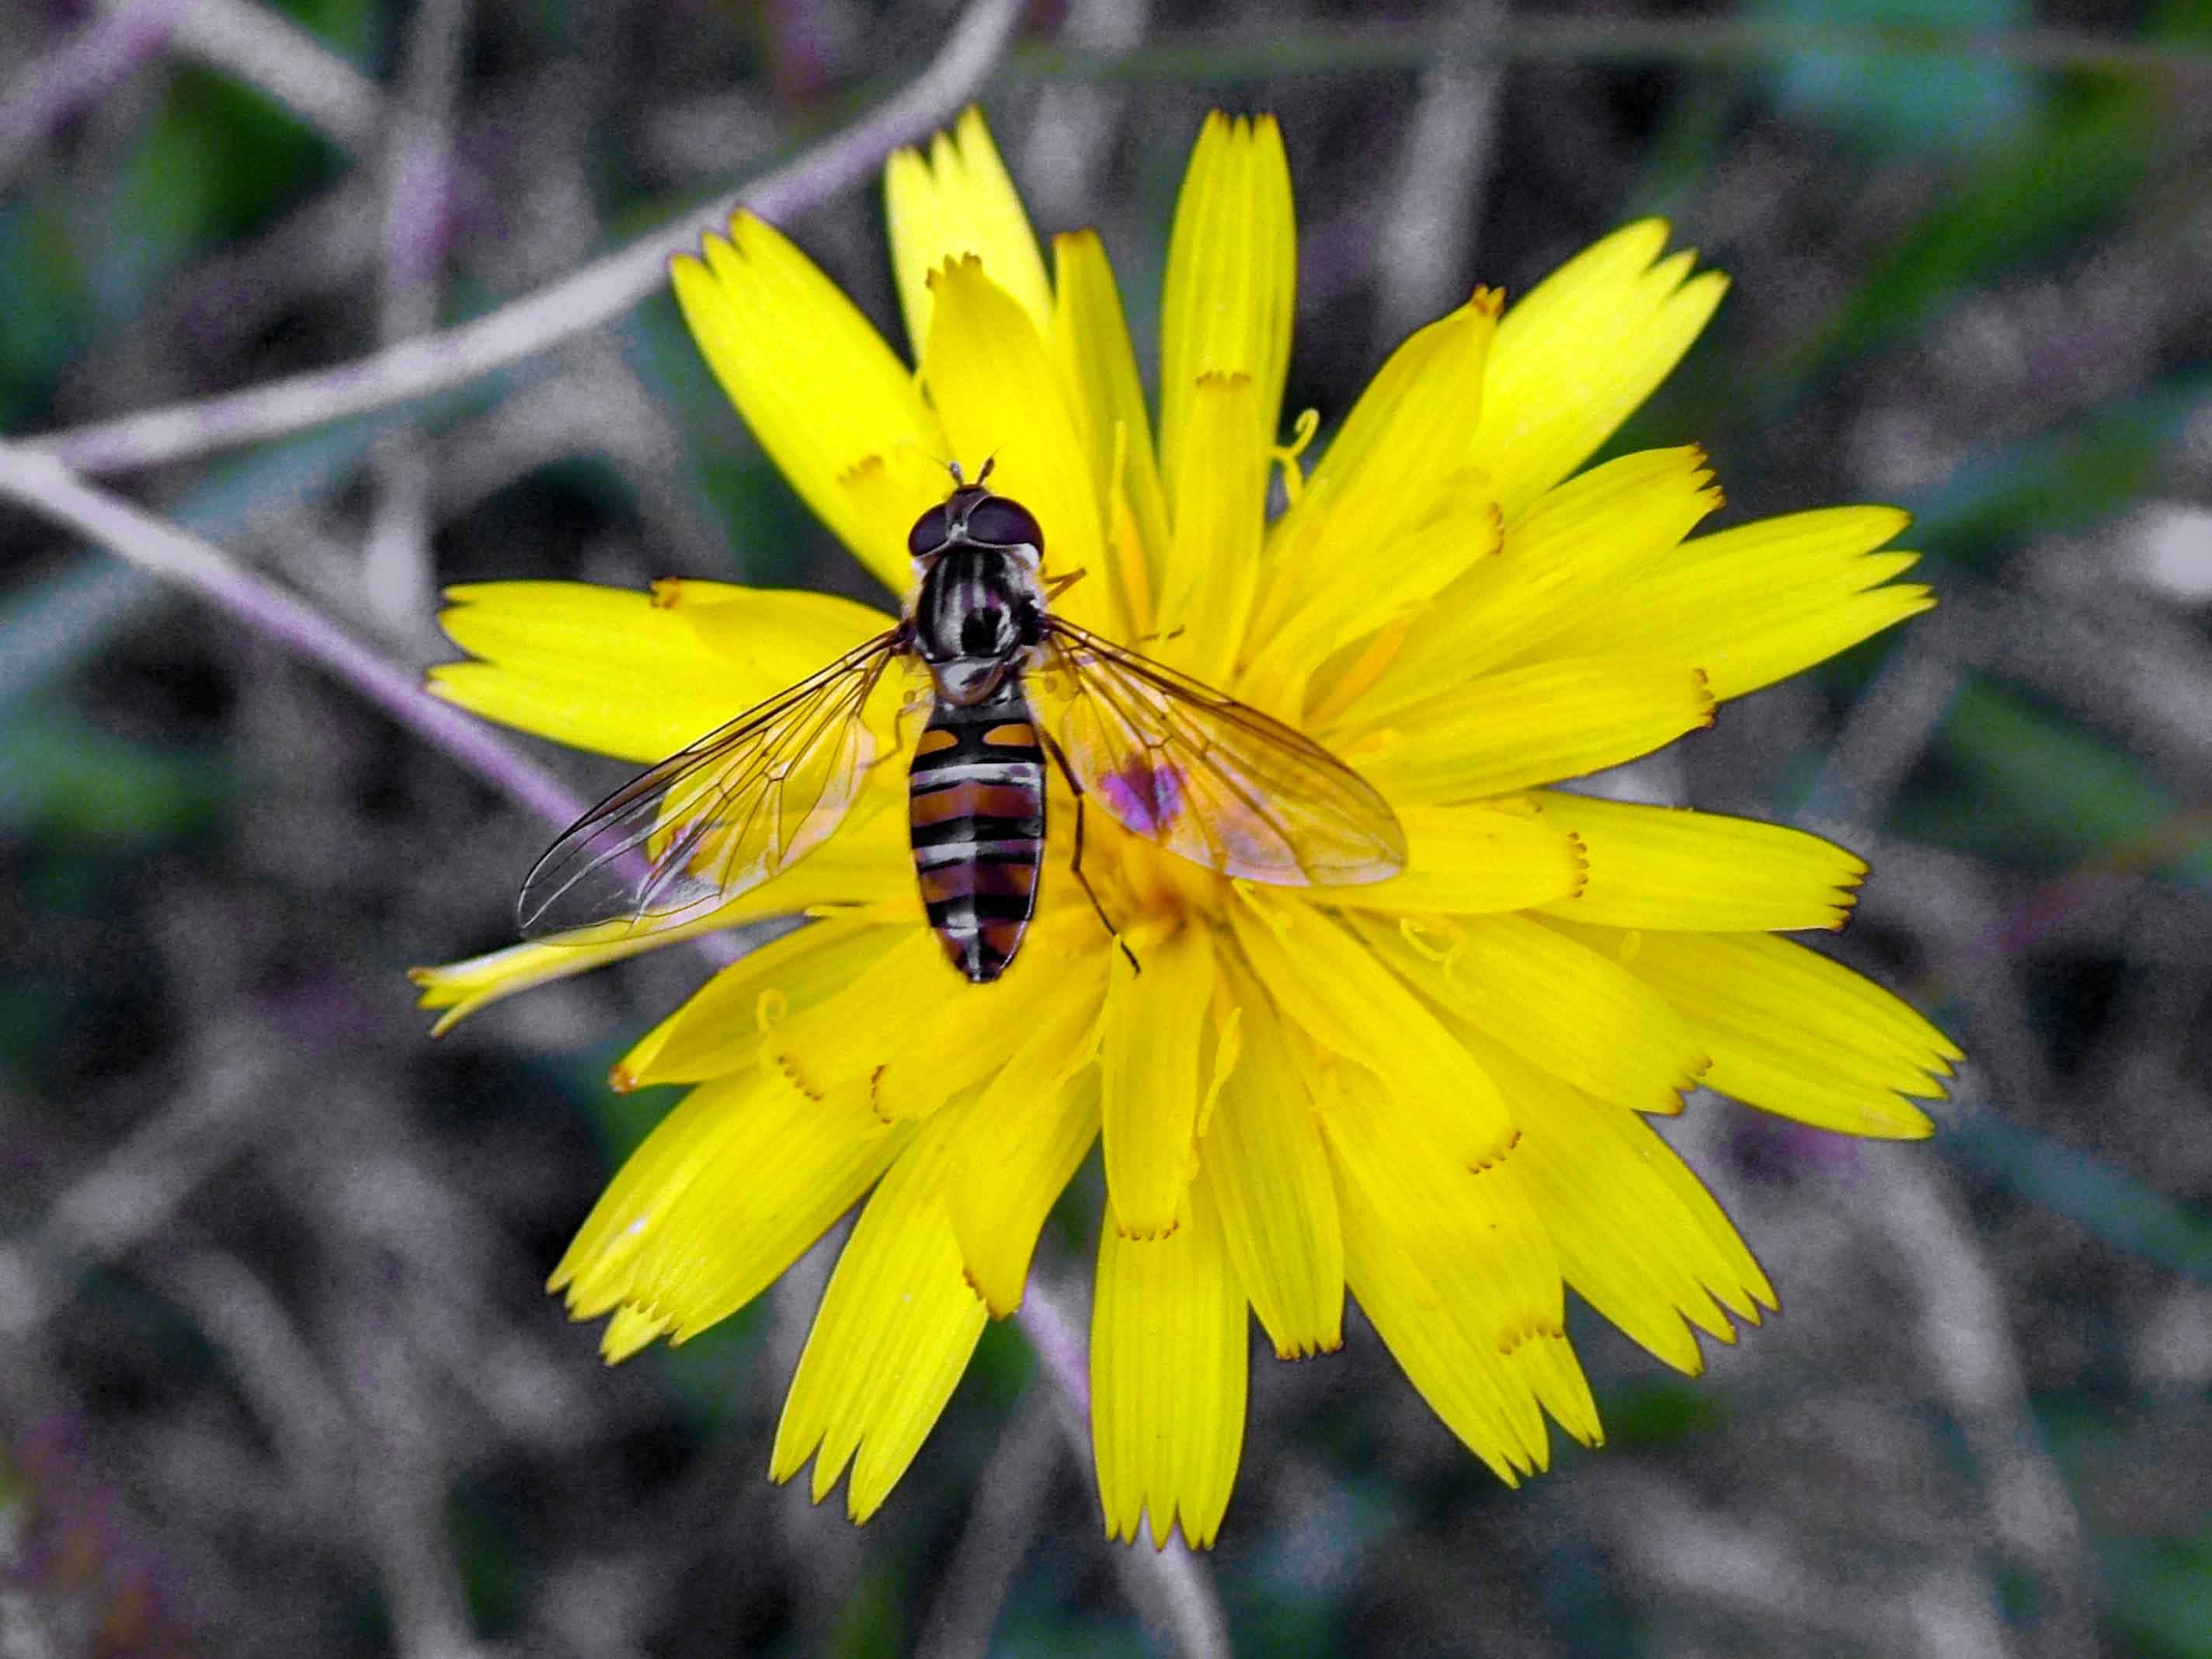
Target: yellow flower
[1426, 1091]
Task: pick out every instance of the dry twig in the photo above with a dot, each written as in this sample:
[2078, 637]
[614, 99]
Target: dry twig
[522, 328]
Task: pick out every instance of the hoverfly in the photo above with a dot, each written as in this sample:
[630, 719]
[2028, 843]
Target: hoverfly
[1169, 758]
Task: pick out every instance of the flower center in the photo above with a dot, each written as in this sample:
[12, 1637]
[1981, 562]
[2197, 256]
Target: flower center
[1141, 884]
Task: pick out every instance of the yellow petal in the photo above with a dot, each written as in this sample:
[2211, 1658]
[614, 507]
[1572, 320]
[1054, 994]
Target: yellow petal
[1151, 1079]
[1408, 439]
[993, 385]
[1090, 343]
[745, 1015]
[1569, 1010]
[1791, 1032]
[1464, 859]
[846, 1037]
[1266, 1167]
[628, 1331]
[1168, 1363]
[724, 1195]
[823, 393]
[1462, 1379]
[1572, 548]
[1213, 566]
[1454, 1268]
[770, 1191]
[465, 987]
[865, 863]
[1538, 724]
[959, 200]
[1639, 1236]
[1657, 866]
[1757, 604]
[1322, 641]
[773, 636]
[594, 1270]
[1402, 464]
[1575, 358]
[1329, 985]
[618, 671]
[969, 1038]
[1231, 282]
[1020, 1144]
[894, 1332]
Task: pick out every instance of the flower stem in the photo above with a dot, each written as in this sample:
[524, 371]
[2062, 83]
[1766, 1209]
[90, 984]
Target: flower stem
[44, 484]
[1169, 1581]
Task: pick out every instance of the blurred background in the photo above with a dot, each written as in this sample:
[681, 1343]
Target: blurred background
[276, 1375]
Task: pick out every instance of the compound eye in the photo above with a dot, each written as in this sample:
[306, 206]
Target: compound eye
[929, 532]
[999, 522]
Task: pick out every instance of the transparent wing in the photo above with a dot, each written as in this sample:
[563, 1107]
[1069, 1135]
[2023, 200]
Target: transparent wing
[715, 819]
[1212, 781]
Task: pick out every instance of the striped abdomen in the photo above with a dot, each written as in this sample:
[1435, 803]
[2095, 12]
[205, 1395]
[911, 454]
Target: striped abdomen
[975, 809]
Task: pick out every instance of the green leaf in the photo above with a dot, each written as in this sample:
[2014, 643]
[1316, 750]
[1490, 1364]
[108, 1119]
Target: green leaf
[2027, 786]
[2096, 146]
[1907, 103]
[1662, 1412]
[2109, 1203]
[54, 625]
[62, 776]
[44, 322]
[2160, 1596]
[2083, 472]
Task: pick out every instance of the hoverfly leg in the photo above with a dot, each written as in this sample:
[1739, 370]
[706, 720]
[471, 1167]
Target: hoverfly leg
[1075, 867]
[916, 702]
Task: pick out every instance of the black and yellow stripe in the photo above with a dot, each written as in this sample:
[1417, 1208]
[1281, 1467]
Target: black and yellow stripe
[975, 805]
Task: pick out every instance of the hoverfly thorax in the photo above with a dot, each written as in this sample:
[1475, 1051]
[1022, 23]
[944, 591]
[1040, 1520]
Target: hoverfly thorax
[980, 607]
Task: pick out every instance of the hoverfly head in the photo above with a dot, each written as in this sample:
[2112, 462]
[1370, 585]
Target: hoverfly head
[930, 533]
[972, 515]
[999, 522]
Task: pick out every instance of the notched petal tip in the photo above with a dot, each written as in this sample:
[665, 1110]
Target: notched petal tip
[960, 265]
[990, 1307]
[1690, 1078]
[787, 1064]
[1491, 1160]
[1707, 705]
[1514, 1338]
[1148, 1234]
[1578, 855]
[1085, 239]
[868, 466]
